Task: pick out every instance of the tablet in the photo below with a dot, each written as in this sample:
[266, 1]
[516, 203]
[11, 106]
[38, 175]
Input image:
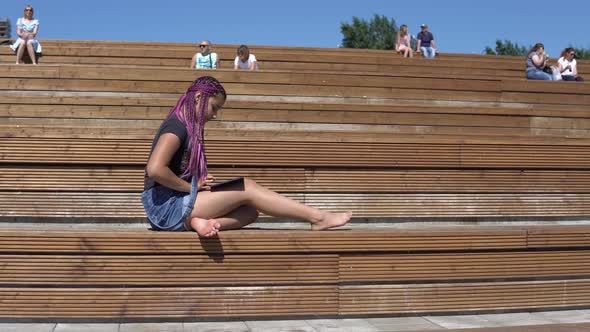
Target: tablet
[228, 183]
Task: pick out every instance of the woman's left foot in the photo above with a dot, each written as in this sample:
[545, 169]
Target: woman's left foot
[205, 227]
[331, 220]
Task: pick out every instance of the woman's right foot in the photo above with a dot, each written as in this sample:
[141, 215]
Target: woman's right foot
[205, 227]
[331, 220]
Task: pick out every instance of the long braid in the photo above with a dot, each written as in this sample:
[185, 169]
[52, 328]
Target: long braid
[185, 110]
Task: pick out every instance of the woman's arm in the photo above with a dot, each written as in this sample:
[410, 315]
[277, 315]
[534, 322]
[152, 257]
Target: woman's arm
[539, 61]
[562, 68]
[35, 30]
[194, 61]
[157, 166]
[397, 42]
[19, 31]
[252, 65]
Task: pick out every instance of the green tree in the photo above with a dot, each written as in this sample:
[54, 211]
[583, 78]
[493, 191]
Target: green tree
[581, 53]
[507, 47]
[379, 33]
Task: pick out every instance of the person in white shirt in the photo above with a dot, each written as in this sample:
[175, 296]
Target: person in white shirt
[27, 28]
[568, 66]
[245, 60]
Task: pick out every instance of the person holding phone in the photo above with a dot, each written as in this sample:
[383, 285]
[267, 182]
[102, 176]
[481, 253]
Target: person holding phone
[568, 66]
[177, 186]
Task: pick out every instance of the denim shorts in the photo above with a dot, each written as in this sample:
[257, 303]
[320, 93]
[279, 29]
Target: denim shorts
[167, 209]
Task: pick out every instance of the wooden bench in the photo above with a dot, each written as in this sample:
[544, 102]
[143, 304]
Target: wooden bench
[119, 274]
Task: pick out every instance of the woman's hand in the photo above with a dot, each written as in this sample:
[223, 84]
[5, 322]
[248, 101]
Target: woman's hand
[205, 184]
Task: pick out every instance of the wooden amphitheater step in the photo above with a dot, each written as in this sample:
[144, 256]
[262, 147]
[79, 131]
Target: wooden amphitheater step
[112, 273]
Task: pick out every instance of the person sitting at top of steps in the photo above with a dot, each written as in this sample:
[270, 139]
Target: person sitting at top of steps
[27, 28]
[244, 59]
[205, 59]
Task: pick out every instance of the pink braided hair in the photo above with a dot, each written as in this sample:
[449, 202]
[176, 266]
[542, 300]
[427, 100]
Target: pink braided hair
[208, 86]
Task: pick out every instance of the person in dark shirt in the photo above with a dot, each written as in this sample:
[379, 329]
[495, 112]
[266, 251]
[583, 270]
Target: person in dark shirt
[177, 186]
[426, 44]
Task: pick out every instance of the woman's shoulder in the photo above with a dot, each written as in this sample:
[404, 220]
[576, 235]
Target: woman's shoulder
[23, 20]
[173, 124]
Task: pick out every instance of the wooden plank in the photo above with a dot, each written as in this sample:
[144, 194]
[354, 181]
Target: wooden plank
[92, 106]
[77, 116]
[408, 181]
[463, 266]
[333, 180]
[297, 154]
[126, 179]
[463, 297]
[169, 302]
[265, 89]
[131, 129]
[259, 241]
[175, 81]
[539, 237]
[168, 270]
[122, 206]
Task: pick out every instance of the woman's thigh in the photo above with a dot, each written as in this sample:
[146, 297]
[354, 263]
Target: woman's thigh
[538, 75]
[217, 204]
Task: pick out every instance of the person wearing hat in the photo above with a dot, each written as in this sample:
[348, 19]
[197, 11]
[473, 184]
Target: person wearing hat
[426, 44]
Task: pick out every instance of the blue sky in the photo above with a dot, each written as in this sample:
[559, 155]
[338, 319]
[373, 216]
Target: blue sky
[459, 26]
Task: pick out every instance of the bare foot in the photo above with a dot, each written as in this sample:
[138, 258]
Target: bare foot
[331, 220]
[205, 227]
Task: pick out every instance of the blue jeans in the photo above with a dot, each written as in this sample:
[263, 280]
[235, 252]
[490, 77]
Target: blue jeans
[538, 75]
[428, 52]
